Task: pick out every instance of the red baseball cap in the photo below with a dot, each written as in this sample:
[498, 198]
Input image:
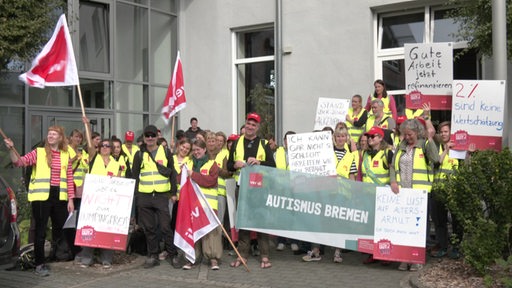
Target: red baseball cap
[233, 137]
[400, 119]
[254, 116]
[422, 121]
[129, 136]
[374, 131]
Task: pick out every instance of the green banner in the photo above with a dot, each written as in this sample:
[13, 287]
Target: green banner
[318, 209]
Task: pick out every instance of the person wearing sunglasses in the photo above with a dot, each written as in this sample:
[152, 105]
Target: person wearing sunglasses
[153, 169]
[375, 164]
[101, 162]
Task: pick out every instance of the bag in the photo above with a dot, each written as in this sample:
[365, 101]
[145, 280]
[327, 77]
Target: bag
[137, 242]
[61, 250]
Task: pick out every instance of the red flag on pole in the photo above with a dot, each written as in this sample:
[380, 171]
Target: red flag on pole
[55, 65]
[195, 217]
[175, 99]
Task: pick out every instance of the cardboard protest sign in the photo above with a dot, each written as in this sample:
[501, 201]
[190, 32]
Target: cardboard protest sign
[477, 114]
[105, 212]
[330, 111]
[311, 153]
[400, 225]
[429, 75]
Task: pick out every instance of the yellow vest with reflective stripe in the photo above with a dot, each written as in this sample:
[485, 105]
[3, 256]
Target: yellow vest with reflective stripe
[355, 132]
[343, 165]
[411, 114]
[377, 166]
[81, 170]
[447, 166]
[386, 101]
[98, 167]
[371, 122]
[420, 170]
[122, 165]
[149, 179]
[135, 148]
[281, 162]
[177, 166]
[209, 193]
[39, 187]
[221, 182]
[239, 153]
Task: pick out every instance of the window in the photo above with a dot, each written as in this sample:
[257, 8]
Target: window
[424, 25]
[94, 37]
[254, 76]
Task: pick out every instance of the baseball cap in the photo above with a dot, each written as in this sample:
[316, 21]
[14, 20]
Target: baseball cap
[374, 131]
[400, 119]
[233, 137]
[254, 116]
[129, 136]
[422, 121]
[151, 129]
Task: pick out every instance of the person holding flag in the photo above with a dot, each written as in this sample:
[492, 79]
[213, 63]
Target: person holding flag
[205, 173]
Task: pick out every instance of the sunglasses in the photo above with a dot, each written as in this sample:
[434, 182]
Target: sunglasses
[150, 135]
[105, 145]
[372, 136]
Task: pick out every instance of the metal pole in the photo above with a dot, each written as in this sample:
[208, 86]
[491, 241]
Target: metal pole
[499, 52]
[278, 73]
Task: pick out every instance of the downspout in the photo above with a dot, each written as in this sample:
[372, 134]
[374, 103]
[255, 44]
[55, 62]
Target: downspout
[278, 102]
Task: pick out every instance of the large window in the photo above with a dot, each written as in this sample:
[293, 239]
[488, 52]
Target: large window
[254, 76]
[424, 25]
[94, 37]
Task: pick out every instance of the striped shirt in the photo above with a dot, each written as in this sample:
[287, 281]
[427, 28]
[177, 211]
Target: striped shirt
[30, 159]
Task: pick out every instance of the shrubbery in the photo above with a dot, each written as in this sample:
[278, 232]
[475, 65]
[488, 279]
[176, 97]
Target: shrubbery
[479, 194]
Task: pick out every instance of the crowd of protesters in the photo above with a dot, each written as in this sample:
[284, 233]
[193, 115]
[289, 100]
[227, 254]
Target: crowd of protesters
[375, 145]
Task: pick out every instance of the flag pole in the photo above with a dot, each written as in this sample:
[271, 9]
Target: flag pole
[232, 245]
[172, 133]
[13, 149]
[87, 127]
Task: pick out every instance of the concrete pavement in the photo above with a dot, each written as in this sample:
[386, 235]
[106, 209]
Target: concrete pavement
[287, 270]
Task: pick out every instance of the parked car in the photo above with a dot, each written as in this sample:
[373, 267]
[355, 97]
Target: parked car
[9, 231]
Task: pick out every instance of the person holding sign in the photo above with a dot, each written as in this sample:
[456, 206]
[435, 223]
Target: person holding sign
[375, 164]
[100, 163]
[250, 149]
[381, 93]
[412, 165]
[153, 169]
[51, 189]
[356, 118]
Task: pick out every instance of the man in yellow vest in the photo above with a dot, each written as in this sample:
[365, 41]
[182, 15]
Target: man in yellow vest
[250, 149]
[153, 169]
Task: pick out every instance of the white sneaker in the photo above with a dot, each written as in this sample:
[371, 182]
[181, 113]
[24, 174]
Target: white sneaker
[295, 247]
[311, 257]
[280, 247]
[163, 255]
[337, 257]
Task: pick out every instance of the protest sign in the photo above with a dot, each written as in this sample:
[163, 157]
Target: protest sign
[311, 153]
[105, 212]
[330, 111]
[429, 75]
[477, 114]
[400, 225]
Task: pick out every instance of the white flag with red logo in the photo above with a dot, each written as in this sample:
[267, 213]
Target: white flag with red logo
[175, 99]
[55, 65]
[195, 217]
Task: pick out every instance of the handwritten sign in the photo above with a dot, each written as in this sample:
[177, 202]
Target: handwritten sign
[330, 111]
[311, 153]
[429, 75]
[400, 225]
[477, 113]
[105, 212]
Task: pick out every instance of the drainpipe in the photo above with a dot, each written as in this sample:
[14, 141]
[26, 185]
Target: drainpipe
[278, 102]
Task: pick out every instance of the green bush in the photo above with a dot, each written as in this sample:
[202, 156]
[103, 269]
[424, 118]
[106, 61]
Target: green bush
[479, 194]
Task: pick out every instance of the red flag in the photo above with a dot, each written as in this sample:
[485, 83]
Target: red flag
[55, 65]
[175, 99]
[195, 217]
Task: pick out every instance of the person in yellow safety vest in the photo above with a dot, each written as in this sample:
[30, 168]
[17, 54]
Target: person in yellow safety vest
[204, 172]
[128, 147]
[375, 165]
[51, 188]
[281, 158]
[122, 158]
[153, 169]
[439, 213]
[224, 174]
[381, 93]
[356, 118]
[250, 149]
[101, 163]
[379, 119]
[412, 165]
